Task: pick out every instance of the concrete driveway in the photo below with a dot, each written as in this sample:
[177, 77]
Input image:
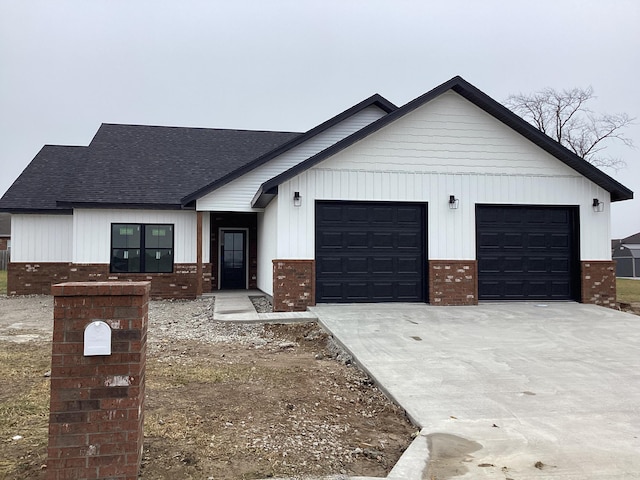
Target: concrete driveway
[508, 390]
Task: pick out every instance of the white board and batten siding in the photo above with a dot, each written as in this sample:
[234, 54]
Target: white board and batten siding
[92, 232]
[41, 238]
[236, 196]
[446, 147]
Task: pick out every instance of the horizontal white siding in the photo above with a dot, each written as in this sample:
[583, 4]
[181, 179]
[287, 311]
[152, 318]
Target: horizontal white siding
[267, 240]
[447, 147]
[41, 238]
[236, 196]
[452, 135]
[92, 232]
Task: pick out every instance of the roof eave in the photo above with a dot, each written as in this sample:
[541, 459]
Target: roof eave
[122, 206]
[40, 211]
[263, 197]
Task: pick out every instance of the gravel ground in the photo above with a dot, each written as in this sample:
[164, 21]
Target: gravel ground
[193, 320]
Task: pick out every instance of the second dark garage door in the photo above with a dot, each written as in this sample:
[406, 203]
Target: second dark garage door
[527, 253]
[370, 252]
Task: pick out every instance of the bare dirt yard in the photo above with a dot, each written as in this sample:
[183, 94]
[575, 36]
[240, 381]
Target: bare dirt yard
[224, 401]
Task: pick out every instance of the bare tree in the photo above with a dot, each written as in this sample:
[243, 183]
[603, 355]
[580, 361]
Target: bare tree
[565, 117]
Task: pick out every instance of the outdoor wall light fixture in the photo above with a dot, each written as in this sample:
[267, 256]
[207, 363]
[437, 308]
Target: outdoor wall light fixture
[453, 202]
[297, 199]
[597, 205]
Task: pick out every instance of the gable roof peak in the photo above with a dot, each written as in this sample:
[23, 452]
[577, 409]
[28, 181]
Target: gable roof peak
[374, 100]
[471, 93]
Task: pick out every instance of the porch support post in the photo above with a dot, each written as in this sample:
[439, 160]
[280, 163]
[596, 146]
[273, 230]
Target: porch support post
[199, 254]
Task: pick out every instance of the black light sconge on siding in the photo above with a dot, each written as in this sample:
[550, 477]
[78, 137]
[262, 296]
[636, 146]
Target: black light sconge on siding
[453, 202]
[597, 205]
[297, 199]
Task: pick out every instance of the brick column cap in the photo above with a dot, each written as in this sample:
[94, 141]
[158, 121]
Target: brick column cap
[75, 289]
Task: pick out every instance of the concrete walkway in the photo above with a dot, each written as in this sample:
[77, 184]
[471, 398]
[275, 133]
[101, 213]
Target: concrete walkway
[236, 306]
[514, 390]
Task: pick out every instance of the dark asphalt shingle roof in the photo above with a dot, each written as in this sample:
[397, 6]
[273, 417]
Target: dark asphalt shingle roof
[632, 239]
[135, 165]
[44, 180]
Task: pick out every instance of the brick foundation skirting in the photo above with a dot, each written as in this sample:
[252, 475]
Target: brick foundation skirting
[598, 282]
[37, 278]
[4, 243]
[453, 282]
[294, 285]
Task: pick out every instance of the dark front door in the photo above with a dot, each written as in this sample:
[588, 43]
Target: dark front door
[370, 252]
[527, 252]
[233, 259]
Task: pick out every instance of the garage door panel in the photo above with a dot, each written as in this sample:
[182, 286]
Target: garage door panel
[513, 289]
[409, 216]
[356, 291]
[536, 216]
[356, 265]
[331, 291]
[561, 290]
[409, 241]
[331, 214]
[491, 290]
[488, 240]
[355, 240]
[489, 264]
[374, 253]
[382, 291]
[559, 217]
[537, 265]
[381, 265]
[513, 240]
[408, 265]
[356, 215]
[527, 252]
[330, 265]
[331, 240]
[512, 264]
[559, 241]
[560, 265]
[538, 289]
[382, 215]
[408, 291]
[382, 239]
[537, 240]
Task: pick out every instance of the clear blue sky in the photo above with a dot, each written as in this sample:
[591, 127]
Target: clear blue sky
[68, 65]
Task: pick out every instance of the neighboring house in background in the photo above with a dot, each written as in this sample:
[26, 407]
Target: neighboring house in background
[626, 253]
[5, 231]
[449, 199]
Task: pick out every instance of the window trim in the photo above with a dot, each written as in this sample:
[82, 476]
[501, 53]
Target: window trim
[142, 246]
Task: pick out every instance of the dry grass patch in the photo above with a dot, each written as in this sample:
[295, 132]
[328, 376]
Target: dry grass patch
[628, 290]
[231, 411]
[24, 409]
[3, 282]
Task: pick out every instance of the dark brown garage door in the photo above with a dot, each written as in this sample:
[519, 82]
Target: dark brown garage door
[527, 253]
[370, 252]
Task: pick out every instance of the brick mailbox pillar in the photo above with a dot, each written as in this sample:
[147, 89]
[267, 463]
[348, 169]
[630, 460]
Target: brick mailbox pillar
[97, 399]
